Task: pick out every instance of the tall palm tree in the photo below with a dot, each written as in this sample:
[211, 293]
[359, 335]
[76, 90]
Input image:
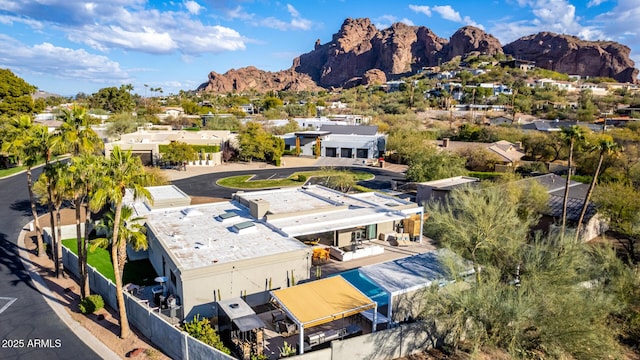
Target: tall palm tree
[606, 146]
[571, 135]
[53, 180]
[76, 136]
[123, 171]
[82, 180]
[130, 232]
[29, 142]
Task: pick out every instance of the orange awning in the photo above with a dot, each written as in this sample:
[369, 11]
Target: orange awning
[322, 301]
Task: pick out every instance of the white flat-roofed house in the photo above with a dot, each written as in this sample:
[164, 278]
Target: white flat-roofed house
[146, 142]
[259, 241]
[343, 141]
[219, 251]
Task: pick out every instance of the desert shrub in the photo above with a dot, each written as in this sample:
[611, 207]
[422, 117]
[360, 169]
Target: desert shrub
[91, 304]
[300, 178]
[201, 329]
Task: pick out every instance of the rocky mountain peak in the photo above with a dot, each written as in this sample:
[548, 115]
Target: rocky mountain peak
[399, 50]
[572, 55]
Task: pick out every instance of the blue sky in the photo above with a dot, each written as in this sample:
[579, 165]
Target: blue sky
[71, 46]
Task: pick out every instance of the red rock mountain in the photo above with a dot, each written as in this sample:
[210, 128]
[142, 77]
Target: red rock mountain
[359, 53]
[568, 54]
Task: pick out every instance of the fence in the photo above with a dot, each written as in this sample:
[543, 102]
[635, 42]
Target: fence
[172, 341]
[393, 343]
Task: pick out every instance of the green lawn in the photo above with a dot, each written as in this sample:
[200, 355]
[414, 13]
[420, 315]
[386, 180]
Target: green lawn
[17, 169]
[99, 259]
[245, 182]
[138, 272]
[11, 171]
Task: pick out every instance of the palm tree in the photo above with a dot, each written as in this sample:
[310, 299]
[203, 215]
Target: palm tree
[77, 137]
[29, 143]
[571, 135]
[85, 171]
[53, 180]
[123, 171]
[606, 146]
[130, 232]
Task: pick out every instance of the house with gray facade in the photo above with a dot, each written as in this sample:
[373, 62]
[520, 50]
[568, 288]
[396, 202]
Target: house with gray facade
[341, 141]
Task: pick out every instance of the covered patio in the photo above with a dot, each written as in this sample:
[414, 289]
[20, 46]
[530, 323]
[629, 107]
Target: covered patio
[320, 302]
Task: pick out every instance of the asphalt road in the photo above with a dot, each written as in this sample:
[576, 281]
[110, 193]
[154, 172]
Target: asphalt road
[205, 185]
[29, 329]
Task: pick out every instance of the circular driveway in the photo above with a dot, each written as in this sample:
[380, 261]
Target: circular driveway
[205, 185]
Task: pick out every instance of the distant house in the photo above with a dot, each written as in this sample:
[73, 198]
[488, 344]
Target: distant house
[594, 225]
[343, 141]
[509, 153]
[523, 65]
[439, 190]
[557, 125]
[146, 142]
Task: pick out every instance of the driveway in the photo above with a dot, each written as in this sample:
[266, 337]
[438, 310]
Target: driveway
[29, 328]
[205, 184]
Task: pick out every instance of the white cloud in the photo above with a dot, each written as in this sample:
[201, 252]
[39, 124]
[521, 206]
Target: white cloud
[557, 16]
[294, 13]
[129, 25]
[193, 7]
[297, 22]
[621, 22]
[448, 13]
[593, 3]
[386, 21]
[63, 63]
[421, 9]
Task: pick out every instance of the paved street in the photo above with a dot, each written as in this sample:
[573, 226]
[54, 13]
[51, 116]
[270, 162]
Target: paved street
[29, 329]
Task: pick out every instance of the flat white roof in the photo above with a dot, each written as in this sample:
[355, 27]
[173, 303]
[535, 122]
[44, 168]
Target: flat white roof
[443, 183]
[166, 192]
[201, 238]
[315, 209]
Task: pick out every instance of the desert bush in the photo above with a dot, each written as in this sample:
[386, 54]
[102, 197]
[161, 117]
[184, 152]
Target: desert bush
[91, 304]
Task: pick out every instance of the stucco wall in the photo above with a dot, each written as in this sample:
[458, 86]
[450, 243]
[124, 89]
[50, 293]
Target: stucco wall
[240, 278]
[394, 343]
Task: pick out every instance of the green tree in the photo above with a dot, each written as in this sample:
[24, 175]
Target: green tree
[122, 171]
[15, 94]
[123, 123]
[201, 329]
[571, 135]
[131, 231]
[189, 107]
[619, 203]
[253, 141]
[112, 99]
[271, 103]
[605, 146]
[75, 134]
[523, 283]
[30, 144]
[432, 164]
[179, 152]
[80, 180]
[50, 188]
